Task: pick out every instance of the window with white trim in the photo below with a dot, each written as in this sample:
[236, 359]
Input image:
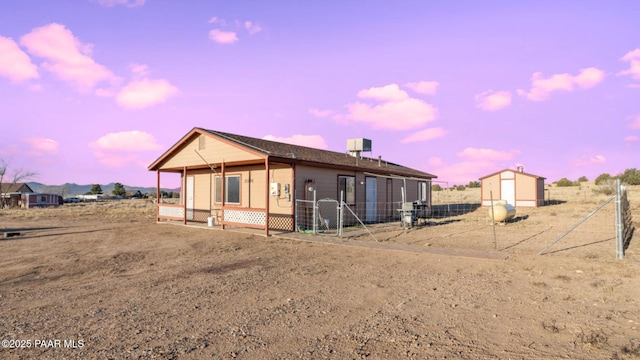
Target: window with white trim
[231, 189]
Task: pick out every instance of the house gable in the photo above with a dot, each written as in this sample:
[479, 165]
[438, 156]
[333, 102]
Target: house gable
[199, 148]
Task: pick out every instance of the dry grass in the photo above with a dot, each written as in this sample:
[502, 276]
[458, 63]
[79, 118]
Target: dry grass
[103, 210]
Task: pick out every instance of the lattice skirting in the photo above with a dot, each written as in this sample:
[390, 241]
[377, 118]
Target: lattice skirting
[281, 222]
[245, 217]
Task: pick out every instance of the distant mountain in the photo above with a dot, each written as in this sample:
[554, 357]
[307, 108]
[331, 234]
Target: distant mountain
[70, 189]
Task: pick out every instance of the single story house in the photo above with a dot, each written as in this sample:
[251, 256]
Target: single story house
[516, 187]
[21, 195]
[237, 180]
[40, 200]
[11, 193]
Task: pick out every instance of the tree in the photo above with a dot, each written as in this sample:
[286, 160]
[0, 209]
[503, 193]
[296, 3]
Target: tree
[630, 176]
[95, 189]
[582, 179]
[19, 175]
[436, 187]
[473, 184]
[602, 179]
[118, 190]
[565, 182]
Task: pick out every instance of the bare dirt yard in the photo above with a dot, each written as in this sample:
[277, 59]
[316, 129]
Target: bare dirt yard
[105, 281]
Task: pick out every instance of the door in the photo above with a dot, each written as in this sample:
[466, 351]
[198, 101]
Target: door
[189, 197]
[371, 199]
[508, 191]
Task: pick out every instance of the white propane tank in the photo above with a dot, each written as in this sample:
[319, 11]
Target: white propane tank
[501, 211]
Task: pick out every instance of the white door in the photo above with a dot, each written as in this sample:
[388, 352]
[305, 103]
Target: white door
[189, 197]
[371, 198]
[508, 191]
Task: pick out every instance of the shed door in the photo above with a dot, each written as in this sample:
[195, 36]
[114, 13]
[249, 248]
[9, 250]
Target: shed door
[371, 198]
[189, 197]
[508, 191]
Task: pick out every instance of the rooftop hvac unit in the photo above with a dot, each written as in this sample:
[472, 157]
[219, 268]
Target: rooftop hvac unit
[356, 146]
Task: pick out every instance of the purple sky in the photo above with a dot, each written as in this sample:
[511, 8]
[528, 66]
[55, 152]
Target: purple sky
[94, 90]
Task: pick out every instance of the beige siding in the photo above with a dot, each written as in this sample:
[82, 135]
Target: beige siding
[202, 189]
[525, 187]
[283, 203]
[491, 185]
[214, 151]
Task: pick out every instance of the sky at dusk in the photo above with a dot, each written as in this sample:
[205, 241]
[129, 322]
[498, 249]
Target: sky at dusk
[93, 91]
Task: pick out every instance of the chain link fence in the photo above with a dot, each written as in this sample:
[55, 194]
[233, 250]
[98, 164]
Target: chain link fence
[567, 224]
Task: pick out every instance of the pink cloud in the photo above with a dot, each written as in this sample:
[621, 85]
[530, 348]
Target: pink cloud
[396, 115]
[215, 20]
[223, 37]
[394, 109]
[541, 87]
[424, 87]
[461, 173]
[140, 94]
[15, 64]
[314, 141]
[127, 3]
[593, 160]
[589, 77]
[391, 92]
[120, 149]
[424, 135]
[139, 70]
[128, 141]
[493, 100]
[635, 122]
[40, 146]
[320, 113]
[631, 138]
[487, 154]
[633, 58]
[65, 56]
[252, 27]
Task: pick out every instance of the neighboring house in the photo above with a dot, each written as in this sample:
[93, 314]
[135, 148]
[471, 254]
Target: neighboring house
[262, 180]
[12, 193]
[21, 195]
[40, 200]
[514, 186]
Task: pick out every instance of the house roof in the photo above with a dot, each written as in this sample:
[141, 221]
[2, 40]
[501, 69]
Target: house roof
[307, 155]
[515, 171]
[14, 188]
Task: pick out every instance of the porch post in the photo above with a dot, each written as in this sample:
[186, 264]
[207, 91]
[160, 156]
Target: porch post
[184, 194]
[222, 195]
[158, 195]
[266, 168]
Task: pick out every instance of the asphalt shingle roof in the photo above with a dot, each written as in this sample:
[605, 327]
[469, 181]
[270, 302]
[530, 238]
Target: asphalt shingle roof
[320, 157]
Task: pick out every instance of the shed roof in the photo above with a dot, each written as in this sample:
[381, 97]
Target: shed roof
[15, 187]
[515, 171]
[305, 155]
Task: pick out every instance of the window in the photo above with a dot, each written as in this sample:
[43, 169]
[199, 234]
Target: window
[347, 186]
[423, 191]
[43, 198]
[231, 189]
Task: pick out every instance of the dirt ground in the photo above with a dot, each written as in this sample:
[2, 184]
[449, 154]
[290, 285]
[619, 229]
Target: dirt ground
[108, 282]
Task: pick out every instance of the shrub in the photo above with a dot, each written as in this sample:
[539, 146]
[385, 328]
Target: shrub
[460, 187]
[436, 187]
[583, 179]
[474, 184]
[565, 182]
[630, 176]
[602, 179]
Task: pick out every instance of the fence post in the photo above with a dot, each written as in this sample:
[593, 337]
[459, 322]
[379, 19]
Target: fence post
[315, 213]
[340, 214]
[619, 232]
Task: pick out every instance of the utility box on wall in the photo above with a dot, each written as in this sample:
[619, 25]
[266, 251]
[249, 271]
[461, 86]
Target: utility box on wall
[274, 189]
